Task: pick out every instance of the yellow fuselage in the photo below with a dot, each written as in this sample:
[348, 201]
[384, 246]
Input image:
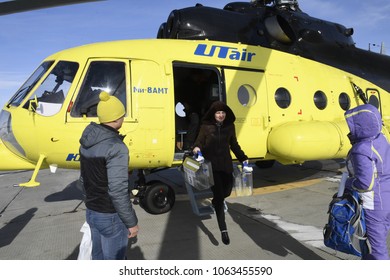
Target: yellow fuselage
[287, 107]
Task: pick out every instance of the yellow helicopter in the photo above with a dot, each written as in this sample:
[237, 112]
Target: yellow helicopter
[288, 77]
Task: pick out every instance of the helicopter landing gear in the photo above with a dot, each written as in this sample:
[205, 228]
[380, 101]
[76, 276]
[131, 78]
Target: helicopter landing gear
[155, 197]
[158, 198]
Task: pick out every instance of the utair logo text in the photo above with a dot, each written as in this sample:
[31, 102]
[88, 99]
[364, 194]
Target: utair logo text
[224, 52]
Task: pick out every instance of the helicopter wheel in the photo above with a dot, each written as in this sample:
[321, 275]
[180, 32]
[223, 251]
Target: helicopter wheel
[159, 198]
[264, 163]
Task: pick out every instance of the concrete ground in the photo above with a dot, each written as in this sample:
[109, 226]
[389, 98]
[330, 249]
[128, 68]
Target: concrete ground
[282, 220]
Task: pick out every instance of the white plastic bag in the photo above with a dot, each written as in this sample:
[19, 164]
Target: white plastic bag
[85, 251]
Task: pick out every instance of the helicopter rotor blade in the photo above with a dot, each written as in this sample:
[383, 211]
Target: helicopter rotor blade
[17, 6]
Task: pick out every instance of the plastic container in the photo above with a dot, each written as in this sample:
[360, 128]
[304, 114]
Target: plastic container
[198, 174]
[243, 181]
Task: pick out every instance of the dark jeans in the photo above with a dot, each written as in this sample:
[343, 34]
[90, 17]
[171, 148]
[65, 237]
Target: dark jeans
[109, 236]
[223, 184]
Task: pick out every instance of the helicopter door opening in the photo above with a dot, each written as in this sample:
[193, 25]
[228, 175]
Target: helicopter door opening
[195, 89]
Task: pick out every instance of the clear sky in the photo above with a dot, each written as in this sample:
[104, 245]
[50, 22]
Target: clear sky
[27, 38]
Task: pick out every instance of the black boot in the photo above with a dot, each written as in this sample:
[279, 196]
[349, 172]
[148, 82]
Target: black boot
[225, 237]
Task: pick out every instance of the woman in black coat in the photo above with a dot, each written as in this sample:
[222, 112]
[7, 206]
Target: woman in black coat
[217, 136]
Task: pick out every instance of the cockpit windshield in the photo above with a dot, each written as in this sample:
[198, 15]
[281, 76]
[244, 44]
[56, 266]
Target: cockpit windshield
[48, 98]
[24, 90]
[49, 95]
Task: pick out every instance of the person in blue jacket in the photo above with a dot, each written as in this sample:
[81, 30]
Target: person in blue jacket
[368, 165]
[104, 167]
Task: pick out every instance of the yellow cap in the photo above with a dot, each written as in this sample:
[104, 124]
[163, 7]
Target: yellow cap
[109, 108]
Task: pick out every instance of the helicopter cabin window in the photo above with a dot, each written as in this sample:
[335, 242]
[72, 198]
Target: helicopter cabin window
[25, 89]
[195, 89]
[50, 95]
[374, 101]
[344, 101]
[320, 100]
[283, 98]
[101, 76]
[246, 95]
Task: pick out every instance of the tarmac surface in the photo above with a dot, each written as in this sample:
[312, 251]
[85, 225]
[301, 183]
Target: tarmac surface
[282, 220]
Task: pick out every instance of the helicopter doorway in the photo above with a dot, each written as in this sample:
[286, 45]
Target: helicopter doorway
[195, 89]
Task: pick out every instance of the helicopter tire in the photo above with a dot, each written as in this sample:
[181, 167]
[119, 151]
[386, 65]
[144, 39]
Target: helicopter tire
[265, 163]
[158, 198]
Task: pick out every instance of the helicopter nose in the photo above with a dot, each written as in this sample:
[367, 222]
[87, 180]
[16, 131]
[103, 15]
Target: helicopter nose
[12, 161]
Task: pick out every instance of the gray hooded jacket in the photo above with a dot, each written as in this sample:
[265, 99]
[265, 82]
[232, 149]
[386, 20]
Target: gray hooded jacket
[104, 166]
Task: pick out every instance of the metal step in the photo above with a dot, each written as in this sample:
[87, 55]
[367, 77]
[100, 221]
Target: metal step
[195, 195]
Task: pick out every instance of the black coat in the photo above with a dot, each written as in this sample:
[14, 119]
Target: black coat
[216, 140]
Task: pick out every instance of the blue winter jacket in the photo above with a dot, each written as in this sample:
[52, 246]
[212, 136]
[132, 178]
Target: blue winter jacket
[368, 161]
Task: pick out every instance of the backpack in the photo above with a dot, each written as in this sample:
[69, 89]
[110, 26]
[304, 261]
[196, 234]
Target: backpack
[346, 227]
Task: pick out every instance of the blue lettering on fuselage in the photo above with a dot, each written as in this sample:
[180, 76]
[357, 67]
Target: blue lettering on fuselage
[224, 52]
[73, 157]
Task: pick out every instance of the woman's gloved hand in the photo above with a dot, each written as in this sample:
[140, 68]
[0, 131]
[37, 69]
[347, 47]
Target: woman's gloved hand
[246, 167]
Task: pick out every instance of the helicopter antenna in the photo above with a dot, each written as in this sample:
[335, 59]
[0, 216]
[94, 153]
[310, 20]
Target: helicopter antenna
[360, 93]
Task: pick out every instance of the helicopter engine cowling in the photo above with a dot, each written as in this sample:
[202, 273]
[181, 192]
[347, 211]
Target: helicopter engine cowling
[209, 23]
[269, 26]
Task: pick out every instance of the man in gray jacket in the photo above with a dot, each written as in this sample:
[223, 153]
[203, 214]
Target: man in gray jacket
[104, 166]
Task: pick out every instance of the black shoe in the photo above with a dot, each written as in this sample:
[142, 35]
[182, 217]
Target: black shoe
[225, 237]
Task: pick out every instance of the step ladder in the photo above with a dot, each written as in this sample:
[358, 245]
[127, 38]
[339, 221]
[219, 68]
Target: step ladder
[195, 196]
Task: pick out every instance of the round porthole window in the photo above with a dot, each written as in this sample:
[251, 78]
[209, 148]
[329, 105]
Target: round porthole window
[246, 95]
[373, 100]
[320, 100]
[344, 101]
[282, 98]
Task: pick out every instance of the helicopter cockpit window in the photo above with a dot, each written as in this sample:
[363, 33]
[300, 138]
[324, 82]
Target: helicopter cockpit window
[25, 89]
[106, 76]
[50, 95]
[320, 100]
[344, 101]
[283, 98]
